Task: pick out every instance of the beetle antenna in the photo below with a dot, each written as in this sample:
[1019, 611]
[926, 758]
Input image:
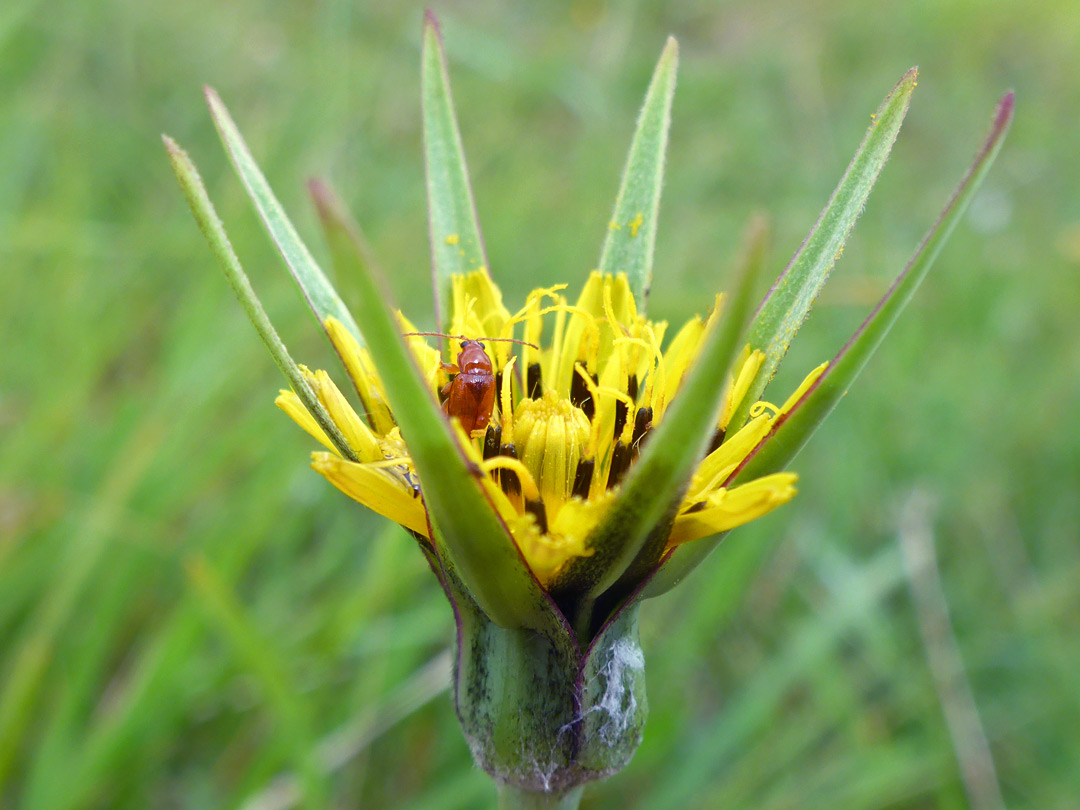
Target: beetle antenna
[462, 337]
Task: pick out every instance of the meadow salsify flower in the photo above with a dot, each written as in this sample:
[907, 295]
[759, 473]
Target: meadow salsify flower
[570, 417]
[587, 461]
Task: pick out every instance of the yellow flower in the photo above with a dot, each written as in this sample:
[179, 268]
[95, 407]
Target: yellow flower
[575, 400]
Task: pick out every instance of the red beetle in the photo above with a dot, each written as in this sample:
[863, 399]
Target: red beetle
[470, 395]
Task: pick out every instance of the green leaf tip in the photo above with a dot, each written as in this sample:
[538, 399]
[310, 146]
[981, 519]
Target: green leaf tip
[630, 241]
[210, 224]
[457, 245]
[316, 288]
[793, 430]
[345, 247]
[788, 303]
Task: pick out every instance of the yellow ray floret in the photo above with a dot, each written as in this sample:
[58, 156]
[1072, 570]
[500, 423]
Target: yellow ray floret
[372, 486]
[725, 509]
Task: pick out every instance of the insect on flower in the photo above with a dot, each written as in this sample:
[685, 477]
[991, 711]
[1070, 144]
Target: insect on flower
[470, 393]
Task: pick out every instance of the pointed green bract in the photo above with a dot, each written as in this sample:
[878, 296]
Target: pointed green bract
[788, 303]
[631, 237]
[467, 529]
[657, 482]
[344, 252]
[320, 294]
[794, 429]
[210, 224]
[456, 244]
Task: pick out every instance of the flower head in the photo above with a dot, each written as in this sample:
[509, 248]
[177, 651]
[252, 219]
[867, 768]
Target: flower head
[573, 407]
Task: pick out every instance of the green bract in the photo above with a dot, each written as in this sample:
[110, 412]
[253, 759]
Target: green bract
[549, 675]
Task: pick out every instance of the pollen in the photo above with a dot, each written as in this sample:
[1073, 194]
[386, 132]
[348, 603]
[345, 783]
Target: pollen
[635, 224]
[452, 239]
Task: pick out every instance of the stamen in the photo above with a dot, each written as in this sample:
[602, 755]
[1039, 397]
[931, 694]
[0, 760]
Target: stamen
[527, 483]
[660, 375]
[534, 382]
[492, 441]
[717, 440]
[632, 386]
[583, 478]
[620, 418]
[580, 395]
[620, 463]
[508, 479]
[642, 425]
[536, 509]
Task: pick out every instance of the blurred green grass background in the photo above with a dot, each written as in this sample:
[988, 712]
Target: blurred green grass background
[190, 618]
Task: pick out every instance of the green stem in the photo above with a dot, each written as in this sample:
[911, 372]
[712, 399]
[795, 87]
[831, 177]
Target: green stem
[514, 798]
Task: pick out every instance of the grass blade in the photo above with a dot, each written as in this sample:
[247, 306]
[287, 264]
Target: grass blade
[793, 430]
[255, 653]
[320, 294]
[210, 224]
[788, 303]
[457, 246]
[467, 529]
[631, 237]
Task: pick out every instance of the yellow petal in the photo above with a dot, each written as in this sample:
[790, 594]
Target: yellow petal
[678, 357]
[720, 463]
[289, 402]
[478, 311]
[361, 370]
[427, 357]
[376, 488]
[581, 329]
[727, 508]
[748, 366]
[546, 554]
[356, 433]
[804, 386]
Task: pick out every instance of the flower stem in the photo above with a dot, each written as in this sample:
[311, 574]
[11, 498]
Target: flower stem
[514, 798]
